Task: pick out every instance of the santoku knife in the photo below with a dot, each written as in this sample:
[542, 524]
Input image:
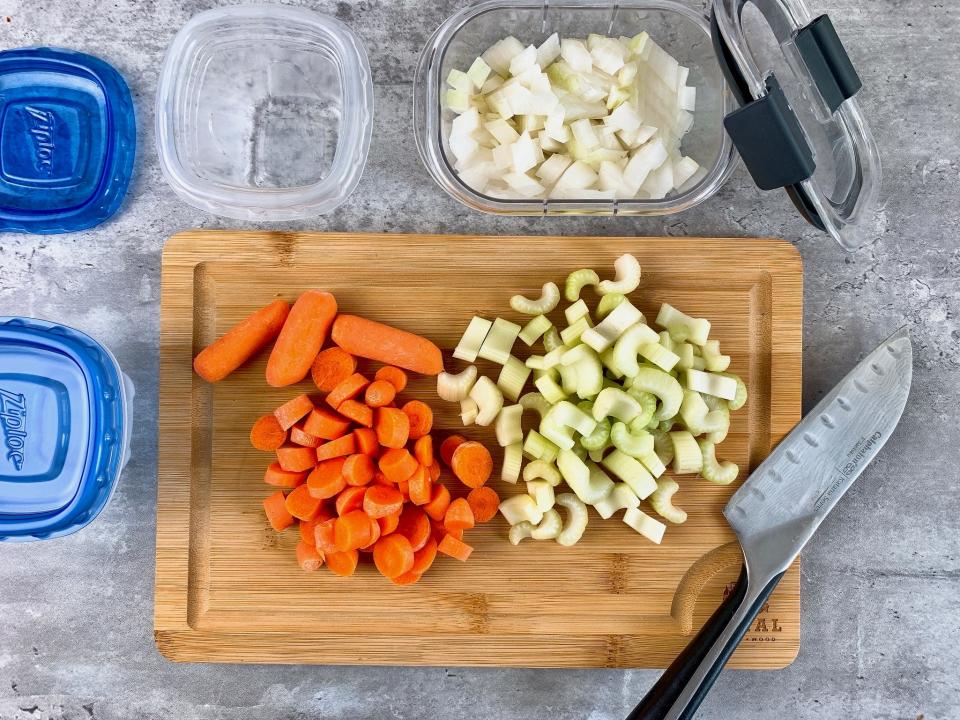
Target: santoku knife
[781, 505]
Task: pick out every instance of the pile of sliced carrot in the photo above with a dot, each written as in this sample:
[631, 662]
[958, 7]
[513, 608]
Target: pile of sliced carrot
[356, 469]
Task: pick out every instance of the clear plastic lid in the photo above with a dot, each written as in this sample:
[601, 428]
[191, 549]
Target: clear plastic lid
[768, 45]
[264, 112]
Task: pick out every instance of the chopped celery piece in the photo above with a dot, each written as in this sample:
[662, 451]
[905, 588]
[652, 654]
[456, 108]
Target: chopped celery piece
[718, 436]
[534, 329]
[599, 438]
[520, 508]
[576, 311]
[682, 326]
[740, 397]
[553, 358]
[542, 470]
[454, 388]
[716, 472]
[577, 280]
[712, 359]
[551, 339]
[606, 358]
[659, 356]
[513, 376]
[698, 363]
[684, 351]
[662, 501]
[590, 485]
[507, 425]
[711, 384]
[687, 457]
[550, 372]
[620, 498]
[568, 378]
[536, 362]
[542, 493]
[633, 444]
[631, 472]
[568, 414]
[499, 341]
[597, 455]
[512, 460]
[664, 386]
[580, 451]
[488, 398]
[468, 411]
[549, 388]
[589, 370]
[608, 303]
[614, 402]
[472, 339]
[572, 333]
[549, 528]
[612, 326]
[627, 270]
[520, 531]
[698, 417]
[536, 402]
[652, 462]
[648, 406]
[662, 445]
[537, 447]
[548, 300]
[628, 346]
[647, 526]
[576, 523]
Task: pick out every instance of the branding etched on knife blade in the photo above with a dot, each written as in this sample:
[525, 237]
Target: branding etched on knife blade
[855, 456]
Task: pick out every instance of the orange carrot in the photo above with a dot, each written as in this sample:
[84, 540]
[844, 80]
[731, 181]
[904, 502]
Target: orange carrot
[352, 530]
[296, 458]
[380, 479]
[276, 509]
[408, 578]
[301, 338]
[434, 471]
[301, 504]
[439, 502]
[448, 446]
[292, 410]
[343, 563]
[238, 345]
[420, 486]
[472, 463]
[404, 488]
[350, 498]
[331, 367]
[323, 536]
[393, 375]
[358, 470]
[308, 528]
[325, 424]
[266, 434]
[393, 555]
[337, 448]
[374, 536]
[484, 502]
[397, 464]
[277, 476]
[459, 516]
[393, 427]
[380, 501]
[326, 480]
[454, 548]
[415, 526]
[308, 558]
[421, 418]
[424, 557]
[347, 389]
[379, 393]
[357, 411]
[423, 450]
[366, 440]
[376, 341]
[389, 523]
[299, 437]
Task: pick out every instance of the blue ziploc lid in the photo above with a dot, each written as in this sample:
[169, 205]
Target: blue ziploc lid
[64, 428]
[67, 140]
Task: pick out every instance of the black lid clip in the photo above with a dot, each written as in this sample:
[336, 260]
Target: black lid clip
[827, 62]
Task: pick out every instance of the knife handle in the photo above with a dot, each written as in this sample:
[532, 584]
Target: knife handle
[704, 656]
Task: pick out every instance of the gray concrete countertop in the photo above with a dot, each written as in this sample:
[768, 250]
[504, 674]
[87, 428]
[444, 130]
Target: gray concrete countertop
[881, 580]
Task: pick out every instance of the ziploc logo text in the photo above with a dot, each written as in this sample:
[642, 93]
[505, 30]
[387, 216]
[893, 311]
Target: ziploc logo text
[13, 421]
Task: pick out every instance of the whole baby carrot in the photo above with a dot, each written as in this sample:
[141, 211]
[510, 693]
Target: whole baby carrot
[376, 341]
[301, 338]
[238, 345]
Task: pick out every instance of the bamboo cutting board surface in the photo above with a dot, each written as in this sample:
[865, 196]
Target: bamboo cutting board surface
[228, 588]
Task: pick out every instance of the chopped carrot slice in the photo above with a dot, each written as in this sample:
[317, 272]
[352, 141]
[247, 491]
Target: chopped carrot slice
[455, 548]
[408, 578]
[472, 463]
[343, 563]
[292, 410]
[484, 502]
[439, 502]
[366, 440]
[421, 418]
[357, 411]
[358, 470]
[327, 479]
[374, 536]
[266, 434]
[379, 394]
[448, 446]
[296, 458]
[308, 528]
[392, 426]
[420, 486]
[393, 375]
[301, 504]
[275, 507]
[393, 555]
[380, 501]
[434, 471]
[350, 498]
[299, 437]
[277, 476]
[340, 447]
[352, 530]
[308, 558]
[404, 488]
[459, 516]
[423, 450]
[380, 479]
[389, 523]
[424, 557]
[323, 537]
[347, 390]
[397, 464]
[331, 367]
[326, 424]
[415, 526]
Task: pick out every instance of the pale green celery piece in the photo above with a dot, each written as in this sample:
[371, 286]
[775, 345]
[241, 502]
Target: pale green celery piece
[698, 363]
[499, 341]
[664, 386]
[589, 371]
[568, 378]
[488, 398]
[542, 493]
[576, 311]
[542, 470]
[521, 508]
[576, 523]
[608, 303]
[659, 356]
[535, 329]
[571, 334]
[507, 425]
[549, 388]
[682, 326]
[714, 403]
[535, 362]
[468, 411]
[712, 359]
[589, 485]
[633, 445]
[652, 462]
[552, 358]
[662, 445]
[614, 402]
[537, 447]
[684, 351]
[577, 280]
[548, 300]
[687, 457]
[454, 388]
[698, 417]
[711, 384]
[662, 501]
[597, 455]
[718, 436]
[667, 341]
[512, 460]
[647, 526]
[559, 435]
[648, 406]
[549, 528]
[472, 339]
[551, 339]
[547, 372]
[580, 451]
[740, 399]
[627, 271]
[608, 383]
[719, 473]
[621, 497]
[606, 359]
[627, 348]
[599, 438]
[567, 414]
[536, 402]
[667, 425]
[513, 376]
[519, 532]
[608, 330]
[631, 472]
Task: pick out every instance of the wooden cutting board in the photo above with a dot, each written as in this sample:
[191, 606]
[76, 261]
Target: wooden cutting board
[227, 586]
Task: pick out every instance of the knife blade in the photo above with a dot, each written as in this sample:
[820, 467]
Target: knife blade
[781, 505]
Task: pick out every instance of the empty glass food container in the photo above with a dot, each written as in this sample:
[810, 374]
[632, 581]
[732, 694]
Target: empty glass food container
[264, 112]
